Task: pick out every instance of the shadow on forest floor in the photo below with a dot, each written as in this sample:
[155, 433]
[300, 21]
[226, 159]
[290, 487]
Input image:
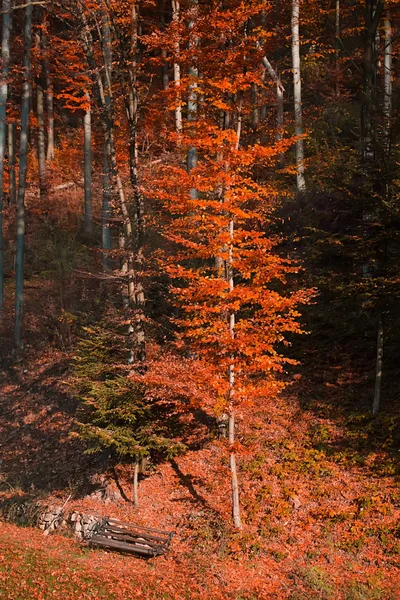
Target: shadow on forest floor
[37, 452]
[337, 388]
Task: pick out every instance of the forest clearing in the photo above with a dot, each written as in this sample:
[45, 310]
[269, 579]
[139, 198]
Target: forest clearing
[199, 290]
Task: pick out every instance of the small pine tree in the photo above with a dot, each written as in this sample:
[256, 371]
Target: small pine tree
[115, 412]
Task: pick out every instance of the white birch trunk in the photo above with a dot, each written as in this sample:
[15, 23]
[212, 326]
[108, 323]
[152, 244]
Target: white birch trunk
[298, 115]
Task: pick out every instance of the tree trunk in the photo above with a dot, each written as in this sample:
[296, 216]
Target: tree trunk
[164, 66]
[388, 86]
[177, 71]
[337, 50]
[298, 115]
[232, 323]
[41, 141]
[106, 213]
[280, 90]
[255, 113]
[49, 103]
[87, 128]
[23, 169]
[192, 108]
[5, 55]
[136, 484]
[379, 365]
[12, 186]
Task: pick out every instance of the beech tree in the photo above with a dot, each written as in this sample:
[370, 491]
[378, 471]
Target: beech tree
[23, 169]
[5, 55]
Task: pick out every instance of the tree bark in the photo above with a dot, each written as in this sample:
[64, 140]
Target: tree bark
[388, 86]
[164, 66]
[106, 213]
[5, 55]
[23, 169]
[41, 141]
[177, 71]
[12, 186]
[136, 484]
[49, 102]
[298, 114]
[379, 366]
[87, 128]
[192, 108]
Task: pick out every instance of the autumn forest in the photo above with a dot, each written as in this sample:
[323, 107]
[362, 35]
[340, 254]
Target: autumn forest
[199, 299]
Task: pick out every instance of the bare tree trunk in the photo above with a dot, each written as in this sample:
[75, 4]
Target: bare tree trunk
[177, 71]
[232, 323]
[337, 46]
[298, 115]
[136, 484]
[49, 102]
[255, 115]
[379, 365]
[192, 99]
[5, 55]
[87, 153]
[41, 141]
[388, 86]
[12, 186]
[106, 213]
[280, 91]
[23, 169]
[387, 114]
[164, 66]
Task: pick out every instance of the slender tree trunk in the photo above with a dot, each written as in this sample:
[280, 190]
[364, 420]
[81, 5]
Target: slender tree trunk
[192, 98]
[126, 237]
[177, 71]
[136, 484]
[5, 55]
[41, 141]
[379, 366]
[87, 153]
[23, 168]
[298, 115]
[387, 114]
[337, 46]
[232, 323]
[137, 256]
[231, 424]
[164, 66]
[280, 91]
[49, 101]
[255, 114]
[12, 186]
[106, 213]
[388, 86]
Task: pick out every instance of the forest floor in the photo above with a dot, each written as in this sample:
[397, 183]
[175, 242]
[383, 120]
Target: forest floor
[319, 490]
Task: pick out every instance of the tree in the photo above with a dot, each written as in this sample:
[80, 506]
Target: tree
[23, 169]
[298, 113]
[5, 55]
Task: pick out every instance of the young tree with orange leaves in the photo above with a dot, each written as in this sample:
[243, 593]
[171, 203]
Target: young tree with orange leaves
[229, 282]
